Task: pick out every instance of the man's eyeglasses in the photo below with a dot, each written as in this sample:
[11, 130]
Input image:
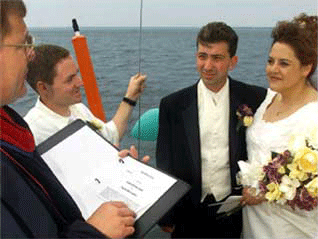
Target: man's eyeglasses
[28, 46]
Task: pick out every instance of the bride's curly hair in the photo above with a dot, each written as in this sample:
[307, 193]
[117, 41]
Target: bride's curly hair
[301, 35]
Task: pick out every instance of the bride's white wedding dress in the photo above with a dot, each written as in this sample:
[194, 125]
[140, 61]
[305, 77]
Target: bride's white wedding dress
[269, 220]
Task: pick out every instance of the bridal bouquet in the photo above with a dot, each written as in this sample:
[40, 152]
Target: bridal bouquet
[289, 177]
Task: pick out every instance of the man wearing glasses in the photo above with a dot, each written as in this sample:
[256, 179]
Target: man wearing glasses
[33, 202]
[16, 45]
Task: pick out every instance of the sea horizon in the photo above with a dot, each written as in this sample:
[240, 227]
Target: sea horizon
[137, 27]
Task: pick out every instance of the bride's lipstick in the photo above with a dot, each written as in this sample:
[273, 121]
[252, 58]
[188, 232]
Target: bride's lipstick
[274, 78]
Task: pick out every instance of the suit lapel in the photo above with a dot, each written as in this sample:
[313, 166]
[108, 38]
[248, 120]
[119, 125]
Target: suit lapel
[192, 132]
[234, 139]
[190, 117]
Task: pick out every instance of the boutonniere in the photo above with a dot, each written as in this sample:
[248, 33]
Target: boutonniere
[96, 125]
[245, 116]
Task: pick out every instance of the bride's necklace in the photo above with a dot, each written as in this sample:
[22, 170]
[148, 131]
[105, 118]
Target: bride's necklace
[281, 110]
[278, 113]
[277, 110]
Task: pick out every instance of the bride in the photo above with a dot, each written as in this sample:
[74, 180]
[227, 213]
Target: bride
[290, 109]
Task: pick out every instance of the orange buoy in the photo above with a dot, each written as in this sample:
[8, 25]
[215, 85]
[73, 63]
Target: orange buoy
[87, 71]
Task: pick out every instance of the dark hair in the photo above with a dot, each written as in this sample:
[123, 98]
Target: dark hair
[215, 32]
[42, 66]
[301, 35]
[8, 7]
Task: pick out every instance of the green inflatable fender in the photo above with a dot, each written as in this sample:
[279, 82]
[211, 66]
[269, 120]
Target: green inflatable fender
[149, 126]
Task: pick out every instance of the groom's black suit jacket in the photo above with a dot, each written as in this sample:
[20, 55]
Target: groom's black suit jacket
[178, 143]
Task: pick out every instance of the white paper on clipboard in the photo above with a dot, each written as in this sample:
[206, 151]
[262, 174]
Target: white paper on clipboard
[90, 169]
[228, 205]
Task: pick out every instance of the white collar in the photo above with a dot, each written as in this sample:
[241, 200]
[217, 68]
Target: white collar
[216, 96]
[41, 106]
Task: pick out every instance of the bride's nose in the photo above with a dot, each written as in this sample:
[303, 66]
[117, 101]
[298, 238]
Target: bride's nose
[272, 68]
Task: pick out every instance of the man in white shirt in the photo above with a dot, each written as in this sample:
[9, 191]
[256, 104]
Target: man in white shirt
[199, 140]
[53, 74]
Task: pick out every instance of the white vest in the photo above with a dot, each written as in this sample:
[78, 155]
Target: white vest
[214, 113]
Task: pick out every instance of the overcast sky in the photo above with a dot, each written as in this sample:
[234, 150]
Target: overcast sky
[244, 13]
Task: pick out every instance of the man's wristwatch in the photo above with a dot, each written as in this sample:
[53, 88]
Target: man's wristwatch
[129, 101]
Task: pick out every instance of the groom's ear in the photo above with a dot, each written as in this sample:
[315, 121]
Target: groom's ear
[233, 63]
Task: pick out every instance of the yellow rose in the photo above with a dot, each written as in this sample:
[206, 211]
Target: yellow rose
[312, 187]
[296, 172]
[307, 160]
[274, 192]
[248, 121]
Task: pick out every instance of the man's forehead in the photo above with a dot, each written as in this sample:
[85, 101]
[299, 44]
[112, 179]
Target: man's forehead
[217, 46]
[66, 66]
[213, 44]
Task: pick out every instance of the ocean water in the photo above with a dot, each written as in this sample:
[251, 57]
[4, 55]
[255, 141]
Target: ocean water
[168, 58]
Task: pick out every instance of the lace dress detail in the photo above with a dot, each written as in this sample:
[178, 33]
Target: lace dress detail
[271, 220]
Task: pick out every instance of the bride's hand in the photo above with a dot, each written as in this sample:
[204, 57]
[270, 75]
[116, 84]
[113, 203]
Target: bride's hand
[250, 198]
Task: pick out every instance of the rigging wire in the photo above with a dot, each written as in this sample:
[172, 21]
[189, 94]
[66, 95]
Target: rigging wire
[139, 70]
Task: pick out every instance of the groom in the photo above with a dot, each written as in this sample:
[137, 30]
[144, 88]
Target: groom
[199, 140]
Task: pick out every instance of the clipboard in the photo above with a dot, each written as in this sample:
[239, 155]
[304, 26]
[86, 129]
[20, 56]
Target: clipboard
[153, 213]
